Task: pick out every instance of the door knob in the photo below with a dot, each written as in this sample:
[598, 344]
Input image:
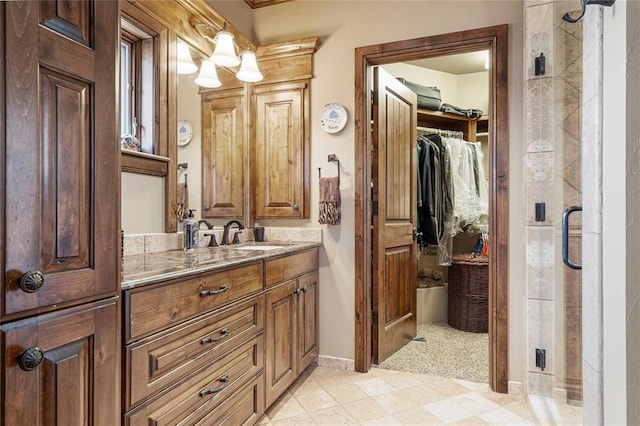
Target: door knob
[30, 359]
[31, 281]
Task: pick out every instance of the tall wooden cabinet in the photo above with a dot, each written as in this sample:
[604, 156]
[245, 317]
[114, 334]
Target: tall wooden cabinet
[59, 252]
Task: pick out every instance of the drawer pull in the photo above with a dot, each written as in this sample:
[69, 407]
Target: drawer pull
[214, 292]
[297, 292]
[224, 380]
[223, 333]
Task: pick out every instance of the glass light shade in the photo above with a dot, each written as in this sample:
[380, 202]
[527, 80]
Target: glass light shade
[249, 70]
[185, 63]
[208, 77]
[225, 52]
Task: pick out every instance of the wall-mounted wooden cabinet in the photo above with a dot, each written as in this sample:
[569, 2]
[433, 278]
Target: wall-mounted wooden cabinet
[275, 172]
[223, 162]
[280, 182]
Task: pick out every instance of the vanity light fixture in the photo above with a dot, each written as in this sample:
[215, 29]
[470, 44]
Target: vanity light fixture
[225, 55]
[185, 63]
[208, 77]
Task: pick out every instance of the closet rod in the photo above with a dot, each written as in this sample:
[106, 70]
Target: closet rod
[442, 132]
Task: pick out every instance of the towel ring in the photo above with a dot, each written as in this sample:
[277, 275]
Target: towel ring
[332, 158]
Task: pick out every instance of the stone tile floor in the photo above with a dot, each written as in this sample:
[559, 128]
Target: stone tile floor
[323, 396]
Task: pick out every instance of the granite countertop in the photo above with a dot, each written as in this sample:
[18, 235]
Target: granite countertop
[150, 268]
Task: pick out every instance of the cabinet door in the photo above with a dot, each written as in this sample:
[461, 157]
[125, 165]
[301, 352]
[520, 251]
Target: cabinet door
[281, 149]
[281, 339]
[223, 155]
[74, 380]
[308, 319]
[61, 166]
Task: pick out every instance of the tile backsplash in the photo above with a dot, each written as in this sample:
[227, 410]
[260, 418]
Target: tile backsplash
[156, 243]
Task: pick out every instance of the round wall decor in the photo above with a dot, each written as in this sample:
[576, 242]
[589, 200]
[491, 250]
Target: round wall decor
[333, 118]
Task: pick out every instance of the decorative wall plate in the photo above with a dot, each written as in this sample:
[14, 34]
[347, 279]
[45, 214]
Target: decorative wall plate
[333, 118]
[185, 132]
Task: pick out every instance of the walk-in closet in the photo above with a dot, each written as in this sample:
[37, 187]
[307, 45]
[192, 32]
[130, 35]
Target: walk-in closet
[452, 217]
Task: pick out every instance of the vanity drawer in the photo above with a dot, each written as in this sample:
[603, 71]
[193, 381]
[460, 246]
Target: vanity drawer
[290, 266]
[201, 393]
[156, 362]
[149, 309]
[244, 407]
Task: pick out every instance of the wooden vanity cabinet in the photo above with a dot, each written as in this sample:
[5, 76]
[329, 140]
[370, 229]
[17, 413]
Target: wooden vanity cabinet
[194, 348]
[291, 324]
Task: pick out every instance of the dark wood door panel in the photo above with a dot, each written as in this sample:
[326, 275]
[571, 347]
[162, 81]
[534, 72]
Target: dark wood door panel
[71, 18]
[74, 384]
[66, 227]
[61, 154]
[395, 176]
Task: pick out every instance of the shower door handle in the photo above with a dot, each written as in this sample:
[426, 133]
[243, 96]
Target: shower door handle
[565, 236]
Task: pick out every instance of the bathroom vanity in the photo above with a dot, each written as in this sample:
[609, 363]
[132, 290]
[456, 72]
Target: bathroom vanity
[217, 335]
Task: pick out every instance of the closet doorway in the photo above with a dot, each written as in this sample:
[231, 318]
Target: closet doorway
[494, 40]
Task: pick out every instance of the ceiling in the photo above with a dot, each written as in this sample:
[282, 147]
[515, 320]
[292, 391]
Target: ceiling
[463, 63]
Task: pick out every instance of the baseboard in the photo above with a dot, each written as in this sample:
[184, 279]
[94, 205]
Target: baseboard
[335, 363]
[514, 388]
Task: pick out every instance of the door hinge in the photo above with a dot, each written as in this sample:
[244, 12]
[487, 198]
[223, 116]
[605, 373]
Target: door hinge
[374, 208]
[374, 98]
[374, 317]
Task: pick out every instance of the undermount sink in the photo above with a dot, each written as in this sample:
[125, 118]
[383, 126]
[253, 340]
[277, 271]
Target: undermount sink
[265, 247]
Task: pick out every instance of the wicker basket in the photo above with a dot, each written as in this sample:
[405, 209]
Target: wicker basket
[468, 305]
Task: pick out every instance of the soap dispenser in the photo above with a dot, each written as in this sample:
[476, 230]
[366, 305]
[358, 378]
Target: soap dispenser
[190, 228]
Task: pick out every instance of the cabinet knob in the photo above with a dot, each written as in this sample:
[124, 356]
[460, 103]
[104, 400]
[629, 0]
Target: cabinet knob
[30, 359]
[295, 208]
[31, 281]
[205, 208]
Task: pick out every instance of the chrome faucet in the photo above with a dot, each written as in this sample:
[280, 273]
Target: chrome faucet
[225, 234]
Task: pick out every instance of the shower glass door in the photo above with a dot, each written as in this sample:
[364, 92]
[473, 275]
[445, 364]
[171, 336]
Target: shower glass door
[553, 99]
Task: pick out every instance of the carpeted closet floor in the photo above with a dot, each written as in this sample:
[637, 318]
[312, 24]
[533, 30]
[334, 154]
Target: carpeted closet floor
[441, 350]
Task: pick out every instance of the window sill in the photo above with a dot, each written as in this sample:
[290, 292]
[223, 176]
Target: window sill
[146, 164]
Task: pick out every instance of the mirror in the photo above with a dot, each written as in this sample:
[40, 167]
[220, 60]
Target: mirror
[189, 147]
[213, 157]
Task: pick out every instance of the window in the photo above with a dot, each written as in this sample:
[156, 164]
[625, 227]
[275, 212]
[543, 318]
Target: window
[138, 89]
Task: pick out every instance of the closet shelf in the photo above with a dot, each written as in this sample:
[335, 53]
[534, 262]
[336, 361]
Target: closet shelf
[442, 120]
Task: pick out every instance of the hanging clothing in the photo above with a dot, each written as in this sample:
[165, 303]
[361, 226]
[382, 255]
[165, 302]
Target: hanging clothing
[453, 193]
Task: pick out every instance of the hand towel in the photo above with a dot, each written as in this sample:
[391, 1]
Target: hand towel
[182, 207]
[329, 201]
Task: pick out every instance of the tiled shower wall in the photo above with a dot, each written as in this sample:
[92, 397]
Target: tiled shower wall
[552, 106]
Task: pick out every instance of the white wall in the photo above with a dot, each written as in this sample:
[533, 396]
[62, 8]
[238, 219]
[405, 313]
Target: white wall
[446, 82]
[142, 209]
[343, 26]
[473, 91]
